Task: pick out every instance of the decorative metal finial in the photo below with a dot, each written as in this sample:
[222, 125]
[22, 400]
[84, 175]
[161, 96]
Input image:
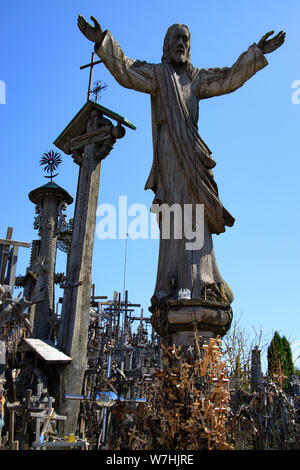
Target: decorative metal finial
[98, 88]
[51, 161]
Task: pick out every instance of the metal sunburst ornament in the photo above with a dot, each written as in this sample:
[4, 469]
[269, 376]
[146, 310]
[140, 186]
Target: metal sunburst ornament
[97, 90]
[51, 161]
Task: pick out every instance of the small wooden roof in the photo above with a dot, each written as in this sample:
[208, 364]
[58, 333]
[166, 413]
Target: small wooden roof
[39, 193]
[46, 350]
[74, 127]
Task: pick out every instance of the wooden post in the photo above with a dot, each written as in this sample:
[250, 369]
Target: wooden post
[11, 428]
[89, 137]
[9, 259]
[12, 407]
[5, 255]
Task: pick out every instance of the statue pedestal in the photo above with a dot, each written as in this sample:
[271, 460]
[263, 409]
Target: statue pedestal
[185, 317]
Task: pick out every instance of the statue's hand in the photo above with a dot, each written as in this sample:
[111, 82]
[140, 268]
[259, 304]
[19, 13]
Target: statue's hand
[271, 45]
[93, 33]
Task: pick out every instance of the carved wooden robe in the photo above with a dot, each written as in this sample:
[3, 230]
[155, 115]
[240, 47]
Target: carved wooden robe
[182, 163]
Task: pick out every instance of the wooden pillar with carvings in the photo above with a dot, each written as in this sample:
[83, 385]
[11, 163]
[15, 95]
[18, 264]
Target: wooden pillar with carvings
[50, 200]
[88, 138]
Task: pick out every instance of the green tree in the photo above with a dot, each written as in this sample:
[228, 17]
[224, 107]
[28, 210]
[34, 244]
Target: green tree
[275, 355]
[289, 365]
[280, 358]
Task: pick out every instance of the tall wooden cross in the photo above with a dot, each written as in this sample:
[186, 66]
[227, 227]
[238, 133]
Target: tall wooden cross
[91, 65]
[9, 257]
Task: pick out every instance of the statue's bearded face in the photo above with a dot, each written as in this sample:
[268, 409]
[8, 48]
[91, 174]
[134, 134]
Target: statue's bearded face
[179, 45]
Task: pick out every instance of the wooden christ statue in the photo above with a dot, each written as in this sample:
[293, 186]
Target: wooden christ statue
[182, 164]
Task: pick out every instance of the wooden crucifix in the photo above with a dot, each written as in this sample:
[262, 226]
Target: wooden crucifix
[46, 417]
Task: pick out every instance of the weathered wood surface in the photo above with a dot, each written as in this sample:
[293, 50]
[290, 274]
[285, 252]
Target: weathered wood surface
[45, 351]
[74, 128]
[73, 331]
[4, 241]
[4, 256]
[201, 315]
[181, 173]
[48, 199]
[60, 445]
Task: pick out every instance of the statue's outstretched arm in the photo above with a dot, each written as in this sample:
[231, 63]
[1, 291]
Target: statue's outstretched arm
[129, 73]
[220, 81]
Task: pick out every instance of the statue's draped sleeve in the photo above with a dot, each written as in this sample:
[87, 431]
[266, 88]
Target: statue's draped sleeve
[129, 73]
[220, 81]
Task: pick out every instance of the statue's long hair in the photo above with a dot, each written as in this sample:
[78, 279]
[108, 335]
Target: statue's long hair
[166, 57]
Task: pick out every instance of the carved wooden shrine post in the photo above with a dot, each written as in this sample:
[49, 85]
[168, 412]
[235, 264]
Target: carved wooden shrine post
[88, 138]
[50, 201]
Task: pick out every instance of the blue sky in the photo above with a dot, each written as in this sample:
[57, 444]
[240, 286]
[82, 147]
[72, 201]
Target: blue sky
[253, 134]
